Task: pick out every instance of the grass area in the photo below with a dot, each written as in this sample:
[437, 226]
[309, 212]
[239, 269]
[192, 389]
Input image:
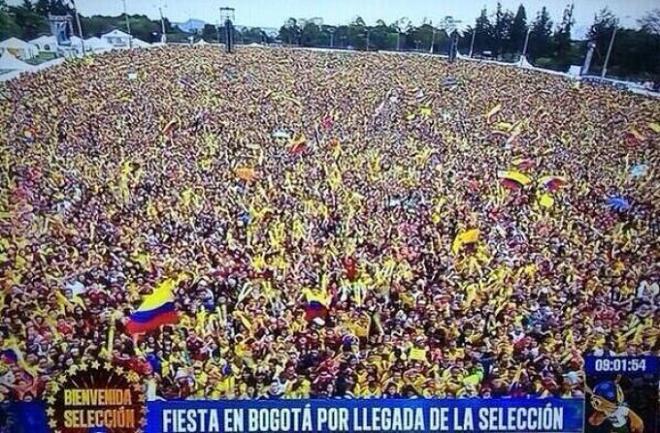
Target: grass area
[42, 57]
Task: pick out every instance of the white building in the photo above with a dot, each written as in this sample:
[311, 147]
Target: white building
[19, 48]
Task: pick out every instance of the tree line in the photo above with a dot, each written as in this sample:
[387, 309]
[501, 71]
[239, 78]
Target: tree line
[498, 34]
[501, 34]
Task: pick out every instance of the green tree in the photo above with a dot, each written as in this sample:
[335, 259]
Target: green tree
[30, 23]
[562, 37]
[290, 32]
[650, 22]
[635, 54]
[518, 31]
[311, 35]
[42, 7]
[601, 32]
[210, 33]
[382, 36]
[421, 37]
[484, 34]
[357, 34]
[540, 38]
[8, 26]
[501, 25]
[142, 27]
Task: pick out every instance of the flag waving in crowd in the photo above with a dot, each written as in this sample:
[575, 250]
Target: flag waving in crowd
[156, 310]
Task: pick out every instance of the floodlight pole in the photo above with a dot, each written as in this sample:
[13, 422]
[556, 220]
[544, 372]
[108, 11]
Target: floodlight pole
[227, 15]
[609, 52]
[163, 36]
[80, 33]
[128, 27]
[587, 59]
[432, 42]
[524, 51]
[332, 38]
[474, 33]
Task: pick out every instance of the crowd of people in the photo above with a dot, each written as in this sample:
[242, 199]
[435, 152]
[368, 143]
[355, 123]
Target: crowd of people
[334, 224]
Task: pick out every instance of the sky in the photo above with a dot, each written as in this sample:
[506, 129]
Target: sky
[273, 13]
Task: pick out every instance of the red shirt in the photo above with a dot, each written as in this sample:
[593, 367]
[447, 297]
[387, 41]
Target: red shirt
[350, 268]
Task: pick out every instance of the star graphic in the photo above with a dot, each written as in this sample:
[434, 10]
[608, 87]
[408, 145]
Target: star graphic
[95, 364]
[62, 378]
[107, 366]
[50, 412]
[52, 423]
[51, 400]
[119, 370]
[72, 370]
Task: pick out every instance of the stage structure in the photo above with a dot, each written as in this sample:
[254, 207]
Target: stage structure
[60, 27]
[227, 17]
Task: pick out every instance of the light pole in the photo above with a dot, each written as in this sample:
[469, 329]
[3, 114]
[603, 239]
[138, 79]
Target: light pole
[163, 36]
[80, 33]
[398, 40]
[432, 42]
[524, 51]
[128, 27]
[609, 52]
[332, 37]
[587, 59]
[367, 40]
[474, 33]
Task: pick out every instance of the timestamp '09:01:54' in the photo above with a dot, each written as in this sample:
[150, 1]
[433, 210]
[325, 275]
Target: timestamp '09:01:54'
[620, 365]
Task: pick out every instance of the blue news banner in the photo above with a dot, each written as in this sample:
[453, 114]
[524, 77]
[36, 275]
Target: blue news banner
[375, 415]
[325, 416]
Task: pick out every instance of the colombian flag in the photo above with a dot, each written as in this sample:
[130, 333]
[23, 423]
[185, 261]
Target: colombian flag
[156, 310]
[316, 306]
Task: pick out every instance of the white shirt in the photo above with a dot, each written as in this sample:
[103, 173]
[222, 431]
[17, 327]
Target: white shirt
[619, 417]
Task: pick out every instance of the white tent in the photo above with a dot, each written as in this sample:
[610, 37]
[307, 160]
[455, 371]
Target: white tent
[76, 43]
[201, 42]
[117, 38]
[45, 44]
[10, 63]
[97, 45]
[139, 43]
[19, 48]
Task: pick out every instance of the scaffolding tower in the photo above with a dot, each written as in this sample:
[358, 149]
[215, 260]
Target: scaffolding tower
[227, 18]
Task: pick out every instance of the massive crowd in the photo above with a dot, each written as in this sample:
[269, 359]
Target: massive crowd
[336, 224]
